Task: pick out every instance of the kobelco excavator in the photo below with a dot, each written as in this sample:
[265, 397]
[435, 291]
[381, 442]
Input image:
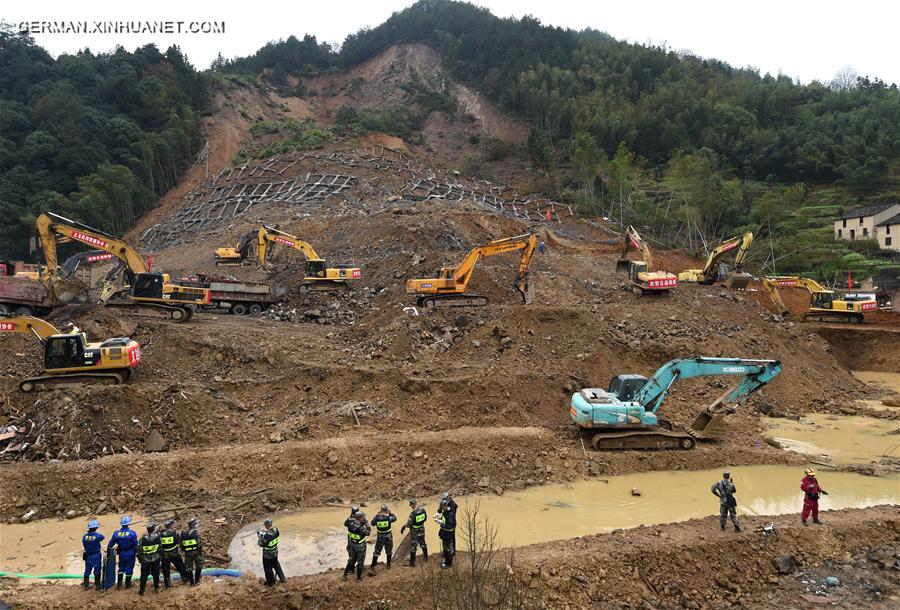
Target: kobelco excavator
[318, 274]
[625, 415]
[449, 288]
[824, 305]
[641, 276]
[715, 270]
[148, 292]
[70, 360]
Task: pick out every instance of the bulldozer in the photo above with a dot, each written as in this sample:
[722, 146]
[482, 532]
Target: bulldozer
[70, 360]
[641, 277]
[625, 416]
[715, 270]
[449, 288]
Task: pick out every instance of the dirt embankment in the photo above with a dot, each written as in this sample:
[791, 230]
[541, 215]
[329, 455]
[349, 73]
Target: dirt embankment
[686, 565]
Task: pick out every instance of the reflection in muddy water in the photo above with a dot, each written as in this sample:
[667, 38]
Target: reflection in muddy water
[314, 540]
[51, 546]
[842, 439]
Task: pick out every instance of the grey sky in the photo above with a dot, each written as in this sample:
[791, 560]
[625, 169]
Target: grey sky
[803, 39]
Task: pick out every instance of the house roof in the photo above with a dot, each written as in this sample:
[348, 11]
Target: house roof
[868, 210]
[895, 220]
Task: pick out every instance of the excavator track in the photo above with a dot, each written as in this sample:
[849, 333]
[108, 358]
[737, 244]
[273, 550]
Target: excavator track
[70, 380]
[325, 286]
[834, 316]
[642, 439]
[175, 313]
[452, 300]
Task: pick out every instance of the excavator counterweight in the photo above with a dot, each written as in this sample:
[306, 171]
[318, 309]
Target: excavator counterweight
[449, 288]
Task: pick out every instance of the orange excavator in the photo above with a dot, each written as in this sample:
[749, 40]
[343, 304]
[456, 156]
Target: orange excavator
[641, 276]
[148, 292]
[449, 288]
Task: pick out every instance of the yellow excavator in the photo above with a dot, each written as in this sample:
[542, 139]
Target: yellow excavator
[148, 292]
[640, 275]
[824, 305]
[449, 288]
[317, 273]
[715, 270]
[70, 360]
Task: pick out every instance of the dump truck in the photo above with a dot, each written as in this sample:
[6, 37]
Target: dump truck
[25, 296]
[237, 296]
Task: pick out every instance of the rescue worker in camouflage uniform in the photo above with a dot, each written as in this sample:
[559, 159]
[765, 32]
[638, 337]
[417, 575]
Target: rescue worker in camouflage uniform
[192, 545]
[169, 540]
[357, 531]
[148, 556]
[416, 525]
[725, 490]
[382, 522]
[446, 519]
[268, 541]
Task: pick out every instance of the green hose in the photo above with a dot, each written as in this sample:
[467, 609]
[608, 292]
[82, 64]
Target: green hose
[59, 575]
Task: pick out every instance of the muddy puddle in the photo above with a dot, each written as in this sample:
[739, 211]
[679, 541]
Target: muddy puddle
[51, 546]
[837, 439]
[882, 381]
[314, 540]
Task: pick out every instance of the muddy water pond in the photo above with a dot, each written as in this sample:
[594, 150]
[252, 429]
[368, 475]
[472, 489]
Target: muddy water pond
[314, 540]
[837, 438]
[882, 381]
[50, 546]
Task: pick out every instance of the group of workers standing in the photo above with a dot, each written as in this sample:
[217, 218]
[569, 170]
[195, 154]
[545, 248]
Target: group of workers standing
[359, 528]
[725, 490]
[154, 550]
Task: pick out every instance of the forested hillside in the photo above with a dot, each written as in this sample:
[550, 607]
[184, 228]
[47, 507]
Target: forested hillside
[98, 137]
[691, 147]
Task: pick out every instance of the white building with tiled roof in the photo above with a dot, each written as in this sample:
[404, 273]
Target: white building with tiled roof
[864, 223]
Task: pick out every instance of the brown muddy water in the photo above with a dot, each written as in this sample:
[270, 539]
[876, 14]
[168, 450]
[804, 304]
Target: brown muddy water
[837, 439]
[882, 381]
[50, 546]
[314, 540]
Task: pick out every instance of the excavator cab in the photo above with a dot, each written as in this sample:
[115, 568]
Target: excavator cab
[316, 268]
[626, 386]
[148, 286]
[635, 268]
[822, 300]
[64, 351]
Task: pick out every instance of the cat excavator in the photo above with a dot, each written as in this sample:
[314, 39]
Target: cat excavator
[449, 288]
[715, 270]
[317, 273]
[147, 293]
[640, 275]
[626, 415]
[70, 360]
[824, 305]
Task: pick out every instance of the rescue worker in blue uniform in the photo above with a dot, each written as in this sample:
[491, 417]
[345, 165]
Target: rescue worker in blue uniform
[125, 540]
[416, 525]
[93, 554]
[446, 518]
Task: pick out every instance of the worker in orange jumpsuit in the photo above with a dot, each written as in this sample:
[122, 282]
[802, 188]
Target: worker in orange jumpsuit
[812, 491]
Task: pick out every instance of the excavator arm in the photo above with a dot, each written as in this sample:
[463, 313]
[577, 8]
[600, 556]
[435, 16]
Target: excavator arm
[54, 229]
[743, 244]
[755, 374]
[633, 239]
[267, 235]
[29, 325]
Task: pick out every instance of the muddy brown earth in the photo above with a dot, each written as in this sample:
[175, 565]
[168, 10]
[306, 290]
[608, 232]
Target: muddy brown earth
[336, 398]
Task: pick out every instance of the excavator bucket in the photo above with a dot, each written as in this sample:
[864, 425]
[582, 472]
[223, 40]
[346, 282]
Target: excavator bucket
[528, 293]
[737, 280]
[708, 426]
[622, 265]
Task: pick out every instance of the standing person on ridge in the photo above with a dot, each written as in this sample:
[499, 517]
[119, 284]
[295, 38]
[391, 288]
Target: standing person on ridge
[812, 490]
[385, 539]
[92, 556]
[125, 540]
[725, 490]
[268, 541]
[416, 525]
[148, 555]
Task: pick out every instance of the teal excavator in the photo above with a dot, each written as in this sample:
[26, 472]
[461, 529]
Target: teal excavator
[625, 415]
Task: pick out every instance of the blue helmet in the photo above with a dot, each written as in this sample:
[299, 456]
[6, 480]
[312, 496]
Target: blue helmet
[93, 524]
[126, 520]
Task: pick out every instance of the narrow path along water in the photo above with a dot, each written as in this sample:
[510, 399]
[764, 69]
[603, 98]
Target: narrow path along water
[314, 540]
[837, 438]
